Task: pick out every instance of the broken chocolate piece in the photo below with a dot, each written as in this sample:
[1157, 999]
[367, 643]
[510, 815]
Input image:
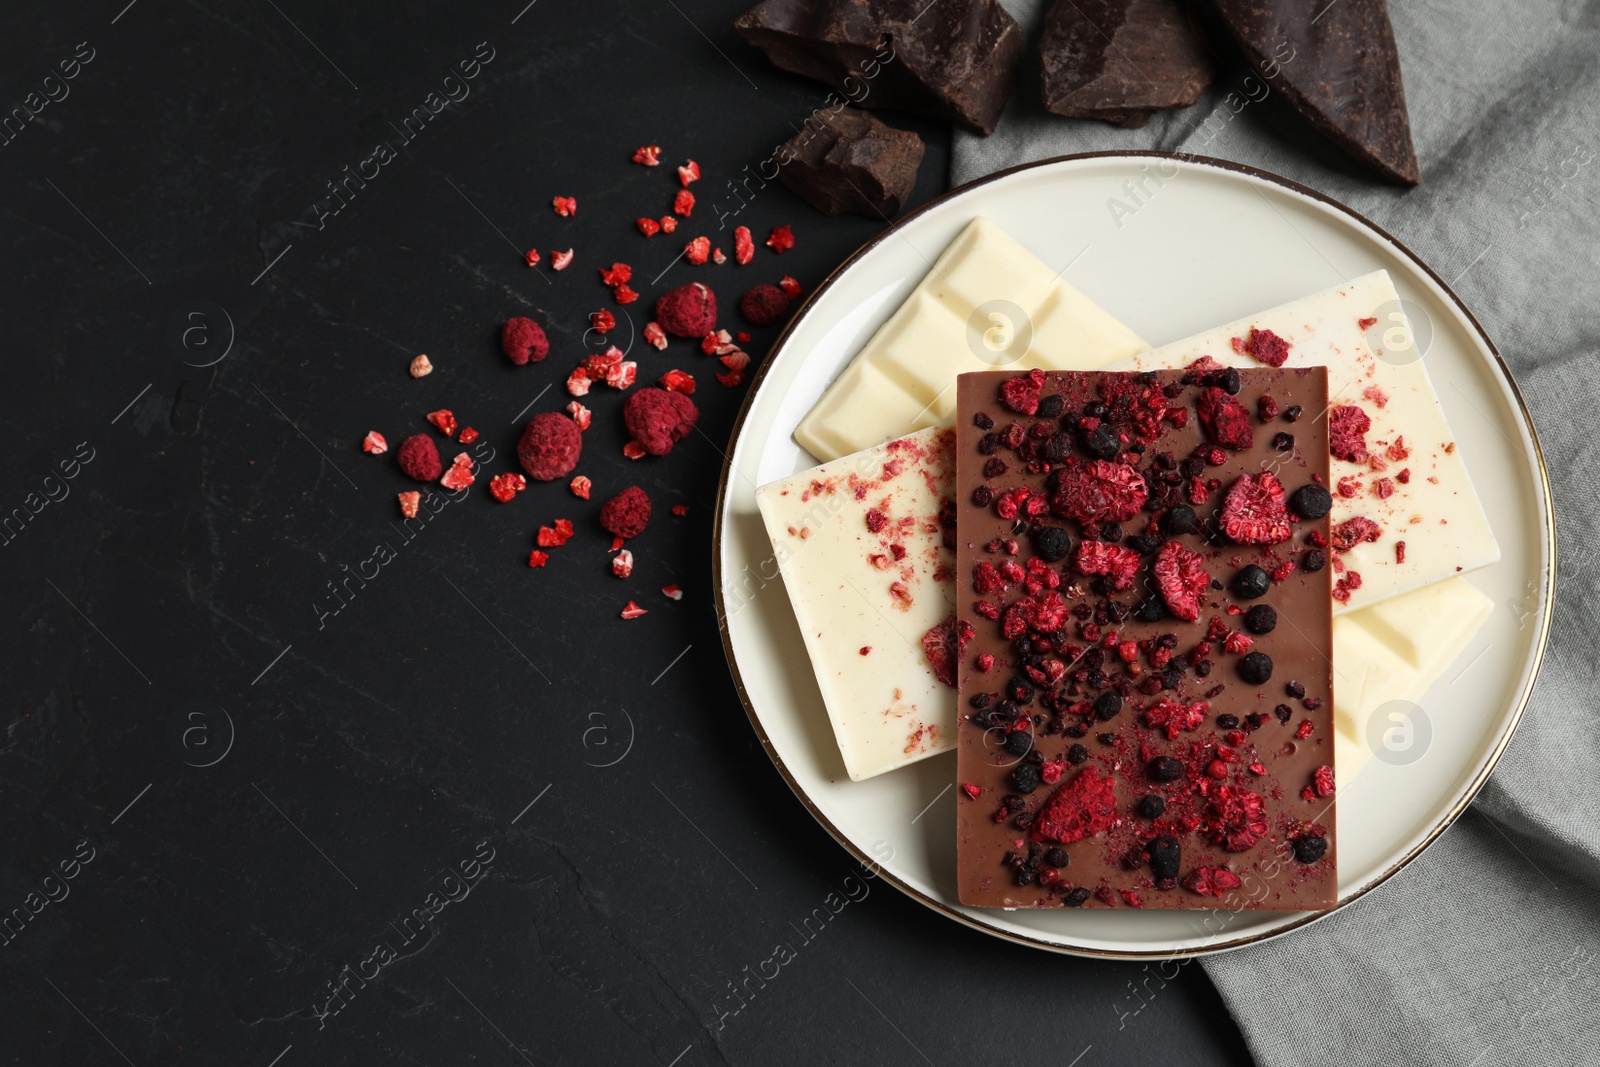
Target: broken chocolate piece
[850, 161]
[1340, 70]
[1120, 61]
[955, 59]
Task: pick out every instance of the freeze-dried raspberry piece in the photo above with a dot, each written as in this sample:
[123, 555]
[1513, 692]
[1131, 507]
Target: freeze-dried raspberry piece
[634, 450]
[409, 503]
[565, 206]
[781, 239]
[672, 592]
[764, 305]
[561, 260]
[578, 382]
[532, 257]
[1227, 422]
[374, 443]
[658, 419]
[648, 155]
[677, 381]
[444, 420]
[602, 321]
[1347, 432]
[683, 203]
[580, 414]
[790, 286]
[421, 367]
[1211, 881]
[1265, 346]
[648, 227]
[1255, 511]
[689, 172]
[1097, 491]
[633, 611]
[627, 513]
[537, 558]
[718, 257]
[744, 246]
[467, 435]
[1021, 394]
[550, 446]
[523, 341]
[668, 223]
[1182, 579]
[418, 457]
[616, 274]
[1175, 717]
[505, 486]
[687, 311]
[943, 645]
[555, 536]
[697, 251]
[1322, 781]
[1082, 807]
[459, 476]
[655, 336]
[1120, 564]
[581, 486]
[622, 564]
[1353, 531]
[621, 375]
[1235, 819]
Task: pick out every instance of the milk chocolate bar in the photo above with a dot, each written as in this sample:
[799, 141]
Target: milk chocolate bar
[1146, 698]
[954, 59]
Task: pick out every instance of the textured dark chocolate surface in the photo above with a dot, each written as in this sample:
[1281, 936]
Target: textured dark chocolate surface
[1222, 764]
[954, 59]
[1121, 60]
[851, 161]
[1339, 68]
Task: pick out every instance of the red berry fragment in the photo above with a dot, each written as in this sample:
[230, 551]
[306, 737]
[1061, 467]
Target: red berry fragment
[680, 510]
[580, 414]
[633, 611]
[1353, 531]
[1265, 346]
[505, 486]
[689, 172]
[467, 435]
[1211, 881]
[781, 239]
[532, 258]
[418, 457]
[764, 305]
[602, 321]
[560, 260]
[627, 513]
[622, 564]
[698, 251]
[683, 203]
[555, 536]
[615, 275]
[744, 246]
[1226, 420]
[658, 419]
[648, 227]
[1119, 564]
[550, 446]
[564, 206]
[634, 450]
[1082, 807]
[672, 592]
[624, 294]
[459, 476]
[1021, 394]
[444, 420]
[1182, 579]
[409, 503]
[1322, 781]
[668, 223]
[791, 286]
[1235, 819]
[1347, 430]
[1097, 491]
[581, 486]
[648, 155]
[655, 336]
[537, 558]
[523, 341]
[374, 443]
[677, 381]
[687, 311]
[1255, 511]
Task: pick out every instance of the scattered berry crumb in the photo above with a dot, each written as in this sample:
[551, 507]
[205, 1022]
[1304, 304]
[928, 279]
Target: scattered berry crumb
[781, 239]
[744, 246]
[648, 155]
[602, 321]
[680, 510]
[655, 336]
[537, 558]
[668, 223]
[565, 206]
[677, 381]
[505, 486]
[698, 250]
[532, 257]
[444, 420]
[622, 564]
[633, 611]
[689, 172]
[374, 443]
[648, 227]
[790, 286]
[634, 450]
[683, 203]
[421, 367]
[581, 486]
[580, 414]
[554, 536]
[467, 435]
[560, 260]
[672, 592]
[459, 476]
[409, 503]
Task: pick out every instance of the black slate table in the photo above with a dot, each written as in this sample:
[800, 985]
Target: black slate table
[457, 810]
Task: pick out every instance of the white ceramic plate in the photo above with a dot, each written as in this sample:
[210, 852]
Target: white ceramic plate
[1214, 244]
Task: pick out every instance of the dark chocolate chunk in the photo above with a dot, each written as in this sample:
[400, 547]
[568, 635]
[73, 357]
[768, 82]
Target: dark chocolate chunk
[955, 59]
[850, 161]
[1340, 70]
[1120, 60]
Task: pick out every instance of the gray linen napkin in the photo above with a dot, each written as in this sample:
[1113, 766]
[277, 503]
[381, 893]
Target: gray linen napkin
[1486, 949]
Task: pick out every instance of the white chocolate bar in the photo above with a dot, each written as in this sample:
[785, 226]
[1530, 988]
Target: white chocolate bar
[1436, 512]
[984, 299]
[1394, 651]
[866, 597]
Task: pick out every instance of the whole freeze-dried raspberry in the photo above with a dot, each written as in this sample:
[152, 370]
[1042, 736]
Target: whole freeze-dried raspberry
[550, 446]
[1097, 491]
[523, 341]
[1235, 819]
[1081, 807]
[627, 513]
[687, 311]
[744, 246]
[1227, 421]
[1182, 579]
[1255, 511]
[1021, 394]
[764, 305]
[1352, 532]
[1119, 564]
[1347, 432]
[659, 419]
[418, 457]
